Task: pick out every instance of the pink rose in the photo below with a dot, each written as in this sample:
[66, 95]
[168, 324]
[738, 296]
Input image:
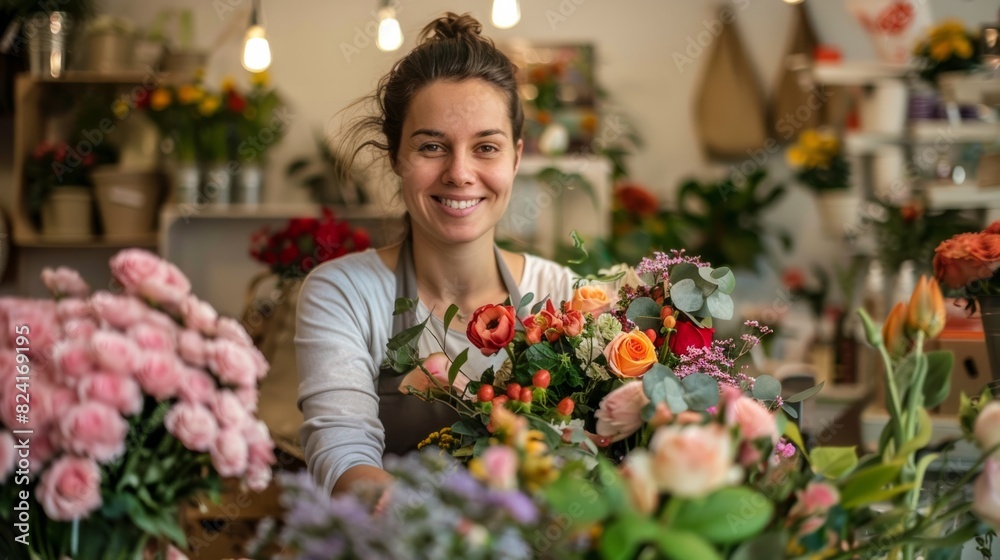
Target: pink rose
[70, 489]
[151, 337]
[815, 499]
[115, 352]
[500, 463]
[93, 429]
[573, 323]
[160, 375]
[232, 363]
[258, 438]
[38, 316]
[248, 396]
[230, 454]
[196, 386]
[131, 267]
[638, 474]
[987, 428]
[42, 394]
[753, 419]
[437, 365]
[986, 503]
[79, 329]
[199, 315]
[174, 554]
[620, 412]
[193, 425]
[65, 282]
[169, 289]
[231, 329]
[228, 410]
[258, 477]
[8, 367]
[192, 347]
[160, 319]
[73, 308]
[691, 461]
[118, 311]
[121, 393]
[42, 450]
[74, 360]
[8, 455]
[260, 361]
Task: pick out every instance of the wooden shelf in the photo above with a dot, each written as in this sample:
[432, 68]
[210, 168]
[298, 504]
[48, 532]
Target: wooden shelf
[964, 88]
[173, 212]
[857, 72]
[963, 197]
[924, 133]
[92, 77]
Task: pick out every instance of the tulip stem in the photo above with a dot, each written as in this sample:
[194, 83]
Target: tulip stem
[897, 406]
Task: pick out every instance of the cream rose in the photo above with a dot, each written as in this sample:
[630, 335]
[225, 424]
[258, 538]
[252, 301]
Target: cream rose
[691, 461]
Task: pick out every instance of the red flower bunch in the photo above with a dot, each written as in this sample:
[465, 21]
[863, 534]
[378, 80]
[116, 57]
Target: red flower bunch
[306, 242]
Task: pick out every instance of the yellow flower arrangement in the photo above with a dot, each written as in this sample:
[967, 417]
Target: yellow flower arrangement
[209, 105]
[817, 157]
[947, 47]
[160, 99]
[189, 94]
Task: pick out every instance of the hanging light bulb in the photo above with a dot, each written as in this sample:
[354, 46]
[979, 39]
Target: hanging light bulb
[256, 50]
[390, 35]
[506, 13]
[793, 1]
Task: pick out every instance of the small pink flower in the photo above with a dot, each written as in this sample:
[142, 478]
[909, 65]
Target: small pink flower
[248, 397]
[230, 454]
[73, 308]
[228, 410]
[70, 489]
[192, 347]
[160, 375]
[121, 393]
[231, 329]
[37, 317]
[115, 352]
[193, 425]
[196, 387]
[258, 437]
[986, 503]
[232, 363]
[65, 281]
[169, 289]
[437, 365]
[174, 554]
[199, 315]
[118, 311]
[95, 430]
[620, 412]
[258, 477]
[131, 267]
[500, 462]
[753, 419]
[150, 337]
[691, 461]
[8, 455]
[812, 505]
[79, 329]
[74, 360]
[637, 471]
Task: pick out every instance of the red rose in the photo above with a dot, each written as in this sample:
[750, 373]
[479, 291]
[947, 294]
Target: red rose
[235, 102]
[289, 254]
[491, 328]
[689, 334]
[635, 199]
[361, 240]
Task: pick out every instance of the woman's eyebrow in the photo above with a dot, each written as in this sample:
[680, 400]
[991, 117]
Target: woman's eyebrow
[438, 134]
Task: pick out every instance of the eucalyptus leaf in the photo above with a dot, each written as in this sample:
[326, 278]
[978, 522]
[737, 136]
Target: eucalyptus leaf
[645, 313]
[766, 388]
[725, 279]
[661, 385]
[683, 271]
[686, 296]
[701, 391]
[648, 278]
[720, 305]
[525, 300]
[799, 397]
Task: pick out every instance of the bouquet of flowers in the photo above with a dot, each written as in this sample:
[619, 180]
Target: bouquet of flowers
[258, 128]
[304, 243]
[118, 407]
[819, 161]
[968, 262]
[947, 47]
[177, 111]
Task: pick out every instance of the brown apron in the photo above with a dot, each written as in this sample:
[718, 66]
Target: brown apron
[406, 419]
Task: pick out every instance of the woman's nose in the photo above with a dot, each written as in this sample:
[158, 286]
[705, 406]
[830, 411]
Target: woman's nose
[459, 171]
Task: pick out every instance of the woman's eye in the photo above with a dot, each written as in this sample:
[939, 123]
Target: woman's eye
[489, 149]
[430, 148]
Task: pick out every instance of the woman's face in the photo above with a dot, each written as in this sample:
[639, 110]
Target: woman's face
[457, 160]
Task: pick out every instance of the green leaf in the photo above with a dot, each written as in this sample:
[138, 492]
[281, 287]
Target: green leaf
[683, 545]
[683, 271]
[525, 300]
[465, 428]
[687, 296]
[833, 462]
[860, 487]
[794, 435]
[768, 545]
[957, 537]
[537, 307]
[456, 366]
[449, 315]
[728, 516]
[661, 385]
[645, 313]
[578, 241]
[569, 493]
[720, 305]
[622, 539]
[799, 397]
[541, 356]
[925, 430]
[701, 391]
[406, 336]
[725, 279]
[937, 385]
[789, 410]
[403, 305]
[766, 388]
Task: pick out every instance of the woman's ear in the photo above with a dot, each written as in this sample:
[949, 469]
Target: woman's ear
[517, 155]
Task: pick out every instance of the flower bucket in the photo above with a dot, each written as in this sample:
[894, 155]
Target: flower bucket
[838, 211]
[128, 201]
[49, 39]
[989, 310]
[109, 52]
[68, 214]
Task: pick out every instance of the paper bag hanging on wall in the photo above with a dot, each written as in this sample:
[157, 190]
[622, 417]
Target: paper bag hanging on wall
[797, 103]
[730, 111]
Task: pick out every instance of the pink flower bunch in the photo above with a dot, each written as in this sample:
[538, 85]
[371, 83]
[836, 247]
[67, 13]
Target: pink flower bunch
[100, 374]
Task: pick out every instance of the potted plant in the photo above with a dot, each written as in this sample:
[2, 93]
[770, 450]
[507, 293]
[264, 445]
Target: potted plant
[820, 165]
[328, 178]
[110, 41]
[175, 111]
[947, 47]
[257, 130]
[58, 195]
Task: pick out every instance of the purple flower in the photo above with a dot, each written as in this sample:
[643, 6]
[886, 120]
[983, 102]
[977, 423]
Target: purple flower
[519, 506]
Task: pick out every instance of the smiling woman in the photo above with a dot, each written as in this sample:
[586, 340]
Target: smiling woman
[448, 121]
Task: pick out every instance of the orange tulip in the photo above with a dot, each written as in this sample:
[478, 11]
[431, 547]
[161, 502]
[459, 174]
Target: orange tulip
[894, 332]
[926, 312]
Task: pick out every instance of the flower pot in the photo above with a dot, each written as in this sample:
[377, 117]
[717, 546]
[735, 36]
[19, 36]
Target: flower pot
[147, 54]
[183, 66]
[216, 185]
[109, 52]
[128, 201]
[185, 177]
[989, 310]
[248, 184]
[838, 211]
[49, 39]
[67, 215]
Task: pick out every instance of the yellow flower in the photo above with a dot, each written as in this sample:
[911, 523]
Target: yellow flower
[477, 469]
[962, 47]
[260, 79]
[228, 84]
[809, 140]
[796, 157]
[120, 108]
[188, 94]
[829, 144]
[159, 99]
[209, 105]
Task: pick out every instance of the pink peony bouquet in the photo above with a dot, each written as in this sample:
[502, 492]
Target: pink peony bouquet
[117, 407]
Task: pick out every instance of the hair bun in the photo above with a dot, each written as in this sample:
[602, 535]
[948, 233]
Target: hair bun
[452, 26]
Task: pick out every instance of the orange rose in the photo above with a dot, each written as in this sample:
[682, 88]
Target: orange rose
[573, 322]
[967, 257]
[630, 354]
[491, 328]
[993, 228]
[590, 299]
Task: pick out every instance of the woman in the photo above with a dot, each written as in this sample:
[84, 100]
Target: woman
[450, 123]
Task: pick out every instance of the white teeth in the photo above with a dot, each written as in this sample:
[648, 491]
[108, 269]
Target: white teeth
[459, 204]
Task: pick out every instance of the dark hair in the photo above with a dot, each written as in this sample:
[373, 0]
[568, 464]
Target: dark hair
[449, 48]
